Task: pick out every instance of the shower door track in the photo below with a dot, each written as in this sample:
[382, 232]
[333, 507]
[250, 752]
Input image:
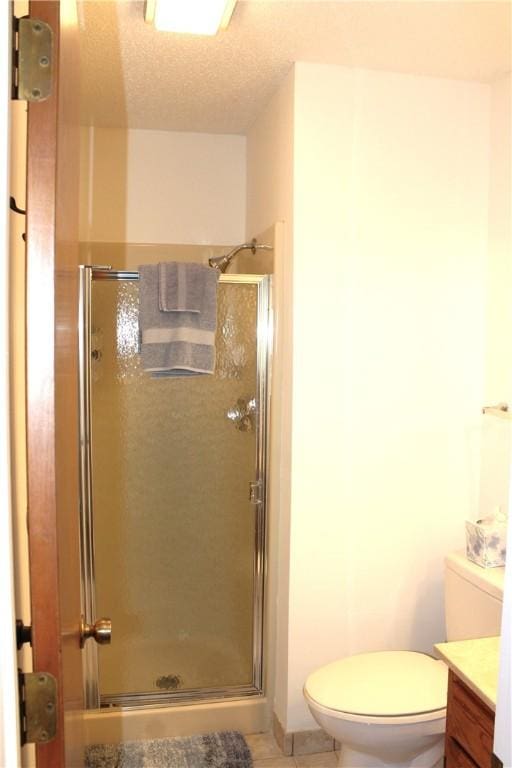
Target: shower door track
[93, 696]
[191, 696]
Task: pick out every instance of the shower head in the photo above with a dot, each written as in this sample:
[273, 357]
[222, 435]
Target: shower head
[222, 262]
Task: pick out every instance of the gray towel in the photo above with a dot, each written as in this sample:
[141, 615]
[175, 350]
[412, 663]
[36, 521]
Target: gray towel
[181, 286]
[176, 343]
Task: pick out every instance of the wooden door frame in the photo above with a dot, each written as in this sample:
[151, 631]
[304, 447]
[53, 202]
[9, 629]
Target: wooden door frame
[42, 504]
[52, 384]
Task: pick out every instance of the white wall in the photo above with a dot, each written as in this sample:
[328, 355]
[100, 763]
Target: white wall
[390, 192]
[499, 365]
[499, 310]
[162, 187]
[17, 365]
[9, 725]
[270, 200]
[496, 444]
[390, 238]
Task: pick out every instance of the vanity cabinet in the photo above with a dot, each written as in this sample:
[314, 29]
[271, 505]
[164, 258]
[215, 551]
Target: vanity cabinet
[469, 728]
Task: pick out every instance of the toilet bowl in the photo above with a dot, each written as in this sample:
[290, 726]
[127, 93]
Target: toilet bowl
[387, 708]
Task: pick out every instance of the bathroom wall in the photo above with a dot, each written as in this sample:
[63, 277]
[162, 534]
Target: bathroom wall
[390, 193]
[130, 255]
[499, 309]
[17, 309]
[9, 726]
[162, 187]
[496, 433]
[498, 383]
[382, 184]
[269, 200]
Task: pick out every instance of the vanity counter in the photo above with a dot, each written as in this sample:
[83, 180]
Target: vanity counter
[475, 662]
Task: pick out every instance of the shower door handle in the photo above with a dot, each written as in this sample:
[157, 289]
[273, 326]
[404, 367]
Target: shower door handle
[101, 631]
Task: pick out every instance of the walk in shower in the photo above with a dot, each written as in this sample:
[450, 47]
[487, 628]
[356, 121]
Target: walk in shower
[173, 501]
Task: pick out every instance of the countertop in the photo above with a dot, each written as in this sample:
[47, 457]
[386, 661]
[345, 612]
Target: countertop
[475, 662]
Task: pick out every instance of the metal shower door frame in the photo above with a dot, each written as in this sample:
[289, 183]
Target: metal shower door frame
[264, 336]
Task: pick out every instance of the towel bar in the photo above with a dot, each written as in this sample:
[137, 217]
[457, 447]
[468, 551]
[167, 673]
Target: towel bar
[501, 410]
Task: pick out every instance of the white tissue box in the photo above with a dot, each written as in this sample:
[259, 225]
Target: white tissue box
[486, 543]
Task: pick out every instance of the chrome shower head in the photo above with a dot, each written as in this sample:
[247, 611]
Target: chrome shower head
[222, 262]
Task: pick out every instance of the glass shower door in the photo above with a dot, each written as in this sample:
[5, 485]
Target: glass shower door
[177, 519]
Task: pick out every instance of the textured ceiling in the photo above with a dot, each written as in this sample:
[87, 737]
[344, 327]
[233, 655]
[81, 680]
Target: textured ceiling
[134, 76]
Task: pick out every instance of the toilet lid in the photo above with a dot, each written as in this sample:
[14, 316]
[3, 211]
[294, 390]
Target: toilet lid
[386, 683]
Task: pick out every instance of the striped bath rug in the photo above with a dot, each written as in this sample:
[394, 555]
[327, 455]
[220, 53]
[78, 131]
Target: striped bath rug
[222, 749]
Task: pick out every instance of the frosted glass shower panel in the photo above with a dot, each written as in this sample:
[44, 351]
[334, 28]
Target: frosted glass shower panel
[174, 529]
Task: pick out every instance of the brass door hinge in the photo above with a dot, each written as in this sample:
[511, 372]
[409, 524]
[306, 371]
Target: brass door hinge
[38, 707]
[32, 59]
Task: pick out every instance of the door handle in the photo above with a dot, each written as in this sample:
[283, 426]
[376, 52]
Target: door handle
[242, 414]
[101, 631]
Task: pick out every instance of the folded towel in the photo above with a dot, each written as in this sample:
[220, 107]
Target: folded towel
[181, 286]
[176, 343]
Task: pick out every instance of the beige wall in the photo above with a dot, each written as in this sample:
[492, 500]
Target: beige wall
[388, 183]
[9, 725]
[499, 308]
[496, 444]
[18, 116]
[162, 187]
[128, 256]
[269, 200]
[17, 367]
[499, 374]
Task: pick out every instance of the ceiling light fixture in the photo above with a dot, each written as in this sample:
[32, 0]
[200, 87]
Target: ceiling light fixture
[196, 17]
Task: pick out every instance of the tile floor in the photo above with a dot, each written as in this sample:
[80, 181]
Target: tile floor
[266, 754]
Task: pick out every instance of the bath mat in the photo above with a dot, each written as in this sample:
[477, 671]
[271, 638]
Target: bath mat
[222, 749]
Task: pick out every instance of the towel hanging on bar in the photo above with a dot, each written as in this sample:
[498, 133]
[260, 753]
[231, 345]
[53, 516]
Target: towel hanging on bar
[181, 286]
[177, 343]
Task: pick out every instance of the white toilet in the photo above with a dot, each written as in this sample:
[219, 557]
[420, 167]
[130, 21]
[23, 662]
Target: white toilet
[388, 708]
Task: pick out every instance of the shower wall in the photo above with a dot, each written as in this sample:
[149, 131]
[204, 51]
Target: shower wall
[128, 256]
[162, 187]
[193, 193]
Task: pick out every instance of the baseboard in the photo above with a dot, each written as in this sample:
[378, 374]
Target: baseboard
[301, 742]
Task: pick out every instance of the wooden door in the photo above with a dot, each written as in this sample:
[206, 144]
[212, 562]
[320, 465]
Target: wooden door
[52, 388]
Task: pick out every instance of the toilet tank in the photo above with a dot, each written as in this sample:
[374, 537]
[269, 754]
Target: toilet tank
[473, 598]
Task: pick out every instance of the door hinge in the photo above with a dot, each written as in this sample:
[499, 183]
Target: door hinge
[32, 65]
[256, 492]
[38, 707]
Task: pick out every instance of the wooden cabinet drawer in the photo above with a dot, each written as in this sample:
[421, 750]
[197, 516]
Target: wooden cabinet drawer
[456, 757]
[470, 722]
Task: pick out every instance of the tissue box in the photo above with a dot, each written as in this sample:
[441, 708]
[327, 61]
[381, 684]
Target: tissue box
[486, 543]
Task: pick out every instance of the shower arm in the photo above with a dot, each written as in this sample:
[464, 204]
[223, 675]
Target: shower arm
[222, 262]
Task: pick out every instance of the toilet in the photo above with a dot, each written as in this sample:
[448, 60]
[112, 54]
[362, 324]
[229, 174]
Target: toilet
[388, 708]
